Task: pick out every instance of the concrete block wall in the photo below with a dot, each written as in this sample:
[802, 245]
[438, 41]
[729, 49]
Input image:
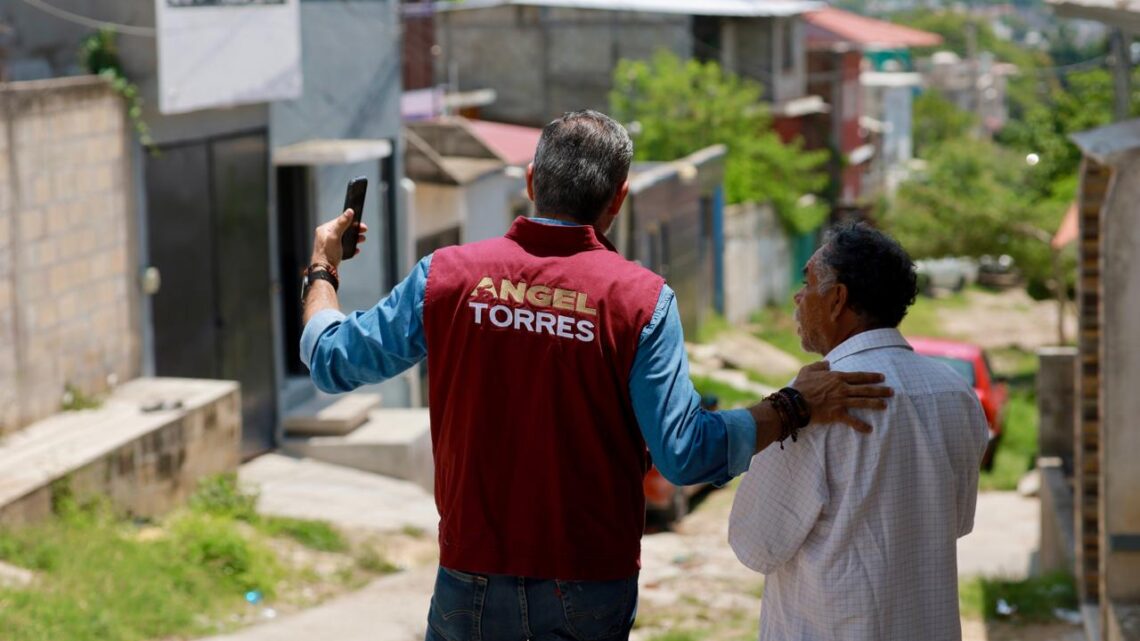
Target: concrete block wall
[571, 55]
[68, 300]
[157, 472]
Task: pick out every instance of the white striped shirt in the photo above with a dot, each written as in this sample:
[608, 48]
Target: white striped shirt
[857, 532]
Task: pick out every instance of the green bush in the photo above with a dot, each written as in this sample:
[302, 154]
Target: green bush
[221, 495]
[218, 545]
[314, 534]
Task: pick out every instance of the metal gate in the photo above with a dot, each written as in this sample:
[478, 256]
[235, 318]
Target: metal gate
[208, 234]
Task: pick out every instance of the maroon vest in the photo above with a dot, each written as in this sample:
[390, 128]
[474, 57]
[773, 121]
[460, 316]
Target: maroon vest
[538, 456]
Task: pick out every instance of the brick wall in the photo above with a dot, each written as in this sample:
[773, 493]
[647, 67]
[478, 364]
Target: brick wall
[68, 303]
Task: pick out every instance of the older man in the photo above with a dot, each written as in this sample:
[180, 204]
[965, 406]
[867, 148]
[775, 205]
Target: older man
[857, 534]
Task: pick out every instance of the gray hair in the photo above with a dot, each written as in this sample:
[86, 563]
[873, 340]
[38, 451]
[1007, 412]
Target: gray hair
[581, 162]
[826, 277]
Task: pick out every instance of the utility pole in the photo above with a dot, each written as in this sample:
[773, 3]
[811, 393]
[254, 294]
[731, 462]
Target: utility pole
[1121, 72]
[972, 66]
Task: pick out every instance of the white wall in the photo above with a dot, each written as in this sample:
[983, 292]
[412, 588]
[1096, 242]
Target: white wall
[757, 261]
[490, 205]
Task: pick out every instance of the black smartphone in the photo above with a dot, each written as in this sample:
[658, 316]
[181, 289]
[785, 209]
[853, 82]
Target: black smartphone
[354, 200]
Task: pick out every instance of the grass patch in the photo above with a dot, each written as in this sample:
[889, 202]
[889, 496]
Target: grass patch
[1034, 599]
[711, 326]
[767, 379]
[74, 399]
[98, 581]
[777, 326]
[369, 560]
[1017, 366]
[728, 395]
[317, 535]
[103, 577]
[1018, 447]
[223, 497]
[413, 531]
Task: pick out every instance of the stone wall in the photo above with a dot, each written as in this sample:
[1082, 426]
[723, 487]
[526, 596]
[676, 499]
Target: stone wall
[68, 300]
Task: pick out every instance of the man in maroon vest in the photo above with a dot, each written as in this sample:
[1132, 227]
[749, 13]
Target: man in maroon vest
[553, 364]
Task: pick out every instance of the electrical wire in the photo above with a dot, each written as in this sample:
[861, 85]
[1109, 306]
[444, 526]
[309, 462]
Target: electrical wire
[63, 14]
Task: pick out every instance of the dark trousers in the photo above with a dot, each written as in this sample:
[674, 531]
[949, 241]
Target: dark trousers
[479, 607]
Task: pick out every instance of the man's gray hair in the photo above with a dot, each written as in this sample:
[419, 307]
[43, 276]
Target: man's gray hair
[581, 162]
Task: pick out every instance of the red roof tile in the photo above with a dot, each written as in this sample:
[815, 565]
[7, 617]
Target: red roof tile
[830, 26]
[514, 144]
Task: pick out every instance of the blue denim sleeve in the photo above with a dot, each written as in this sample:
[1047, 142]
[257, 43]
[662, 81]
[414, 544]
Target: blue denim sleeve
[345, 352]
[688, 444]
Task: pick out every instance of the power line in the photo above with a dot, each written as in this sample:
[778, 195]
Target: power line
[63, 14]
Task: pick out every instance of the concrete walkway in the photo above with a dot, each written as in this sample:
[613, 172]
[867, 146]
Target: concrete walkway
[349, 498]
[393, 608]
[1006, 536]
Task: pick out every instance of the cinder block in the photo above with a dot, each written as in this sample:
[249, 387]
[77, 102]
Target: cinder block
[103, 177]
[41, 189]
[32, 225]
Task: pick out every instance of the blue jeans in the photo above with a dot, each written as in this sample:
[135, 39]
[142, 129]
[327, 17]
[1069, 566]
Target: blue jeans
[480, 607]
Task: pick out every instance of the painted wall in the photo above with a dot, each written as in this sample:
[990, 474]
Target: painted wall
[757, 261]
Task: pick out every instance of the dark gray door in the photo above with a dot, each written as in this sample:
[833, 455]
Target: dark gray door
[207, 204]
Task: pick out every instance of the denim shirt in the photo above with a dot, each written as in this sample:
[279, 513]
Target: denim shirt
[688, 443]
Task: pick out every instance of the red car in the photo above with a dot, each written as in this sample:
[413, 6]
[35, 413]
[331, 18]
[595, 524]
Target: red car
[971, 363]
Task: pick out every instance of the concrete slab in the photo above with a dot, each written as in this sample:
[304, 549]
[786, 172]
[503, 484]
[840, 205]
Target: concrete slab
[306, 488]
[741, 350]
[394, 442]
[157, 455]
[1007, 533]
[393, 608]
[330, 415]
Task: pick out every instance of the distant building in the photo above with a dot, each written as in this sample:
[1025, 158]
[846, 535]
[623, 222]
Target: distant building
[976, 86]
[545, 57]
[870, 116]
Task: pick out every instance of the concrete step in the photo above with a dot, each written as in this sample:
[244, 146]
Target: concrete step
[145, 447]
[393, 442]
[330, 415]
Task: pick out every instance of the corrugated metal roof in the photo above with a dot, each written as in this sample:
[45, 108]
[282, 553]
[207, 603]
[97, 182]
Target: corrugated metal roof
[514, 144]
[1117, 13]
[736, 8]
[832, 25]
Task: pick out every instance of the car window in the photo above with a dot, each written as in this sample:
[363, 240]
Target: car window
[965, 369]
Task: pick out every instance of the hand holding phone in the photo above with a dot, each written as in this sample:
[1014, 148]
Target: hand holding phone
[354, 200]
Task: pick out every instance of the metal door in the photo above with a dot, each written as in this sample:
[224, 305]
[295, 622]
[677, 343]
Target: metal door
[208, 234]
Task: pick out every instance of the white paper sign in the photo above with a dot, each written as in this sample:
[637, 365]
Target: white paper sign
[221, 53]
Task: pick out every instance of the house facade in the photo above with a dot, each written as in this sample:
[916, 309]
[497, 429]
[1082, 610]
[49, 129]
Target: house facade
[226, 199]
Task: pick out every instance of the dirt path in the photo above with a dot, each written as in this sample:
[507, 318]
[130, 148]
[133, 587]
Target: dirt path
[1006, 319]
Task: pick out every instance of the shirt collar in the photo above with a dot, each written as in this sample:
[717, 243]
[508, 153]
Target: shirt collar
[868, 340]
[551, 233]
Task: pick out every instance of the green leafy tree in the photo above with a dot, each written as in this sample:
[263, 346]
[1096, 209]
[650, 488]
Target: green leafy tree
[683, 106]
[970, 201]
[937, 120]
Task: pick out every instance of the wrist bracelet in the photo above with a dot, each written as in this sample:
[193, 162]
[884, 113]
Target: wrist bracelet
[783, 405]
[799, 405]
